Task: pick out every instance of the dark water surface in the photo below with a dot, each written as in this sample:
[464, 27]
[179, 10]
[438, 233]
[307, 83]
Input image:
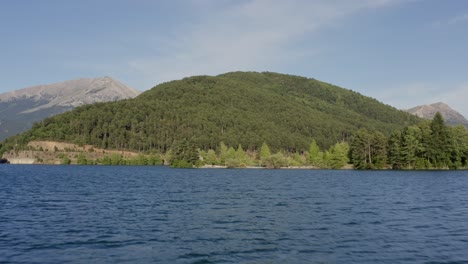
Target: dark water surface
[80, 214]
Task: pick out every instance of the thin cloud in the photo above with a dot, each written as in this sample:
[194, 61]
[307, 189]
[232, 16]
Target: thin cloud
[458, 19]
[249, 35]
[452, 21]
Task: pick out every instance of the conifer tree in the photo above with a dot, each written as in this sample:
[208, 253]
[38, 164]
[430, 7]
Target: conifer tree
[338, 155]
[184, 154]
[410, 146]
[315, 155]
[361, 153]
[211, 158]
[265, 153]
[369, 149]
[439, 148]
[222, 153]
[394, 150]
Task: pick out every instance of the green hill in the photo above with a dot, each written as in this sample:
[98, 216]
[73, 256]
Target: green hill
[246, 108]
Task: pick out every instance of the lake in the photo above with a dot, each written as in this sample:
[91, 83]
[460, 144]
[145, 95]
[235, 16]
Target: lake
[125, 214]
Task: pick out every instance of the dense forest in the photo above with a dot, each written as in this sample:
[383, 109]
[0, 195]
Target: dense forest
[238, 108]
[428, 145]
[267, 119]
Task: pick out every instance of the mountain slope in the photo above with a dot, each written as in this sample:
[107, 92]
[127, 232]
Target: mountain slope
[21, 108]
[450, 116]
[245, 108]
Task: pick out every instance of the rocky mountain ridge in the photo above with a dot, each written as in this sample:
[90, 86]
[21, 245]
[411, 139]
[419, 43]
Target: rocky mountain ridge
[451, 116]
[19, 109]
[72, 93]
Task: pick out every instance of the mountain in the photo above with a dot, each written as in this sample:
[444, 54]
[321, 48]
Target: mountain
[21, 108]
[246, 108]
[451, 116]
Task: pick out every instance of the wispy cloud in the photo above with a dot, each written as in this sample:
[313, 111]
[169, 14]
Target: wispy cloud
[453, 20]
[246, 35]
[458, 19]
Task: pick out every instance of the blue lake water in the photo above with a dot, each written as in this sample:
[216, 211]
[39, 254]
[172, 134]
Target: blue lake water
[99, 214]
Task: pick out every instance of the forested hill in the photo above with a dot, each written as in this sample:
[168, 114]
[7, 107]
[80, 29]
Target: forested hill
[246, 108]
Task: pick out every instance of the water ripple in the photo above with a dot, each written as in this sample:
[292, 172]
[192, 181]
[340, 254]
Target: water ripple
[80, 214]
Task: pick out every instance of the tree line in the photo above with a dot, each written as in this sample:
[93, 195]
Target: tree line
[186, 154]
[428, 145]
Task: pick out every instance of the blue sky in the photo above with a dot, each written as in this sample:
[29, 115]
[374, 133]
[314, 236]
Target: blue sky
[401, 52]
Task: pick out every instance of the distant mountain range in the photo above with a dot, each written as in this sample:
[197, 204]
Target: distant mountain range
[21, 108]
[246, 108]
[451, 116]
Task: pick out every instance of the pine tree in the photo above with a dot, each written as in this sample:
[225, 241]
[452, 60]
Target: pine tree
[315, 155]
[241, 156]
[231, 158]
[361, 153]
[369, 149]
[410, 146]
[298, 159]
[222, 153]
[378, 149]
[211, 158]
[459, 135]
[439, 148]
[265, 153]
[338, 155]
[184, 154]
[394, 149]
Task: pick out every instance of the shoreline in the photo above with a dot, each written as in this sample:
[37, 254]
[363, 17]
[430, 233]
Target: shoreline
[349, 167]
